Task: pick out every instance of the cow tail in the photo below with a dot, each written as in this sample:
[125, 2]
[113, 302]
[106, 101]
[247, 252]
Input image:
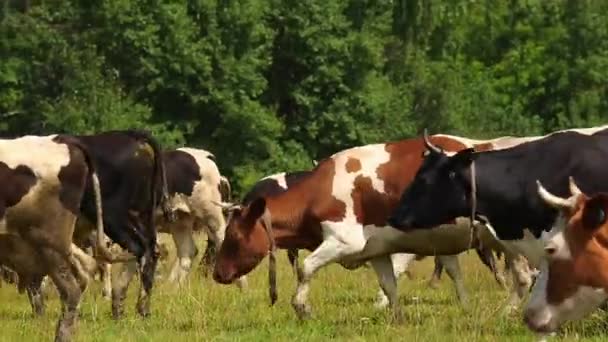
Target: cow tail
[101, 245]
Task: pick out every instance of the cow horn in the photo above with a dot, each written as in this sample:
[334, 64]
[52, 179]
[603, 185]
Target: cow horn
[428, 143]
[574, 189]
[552, 200]
[227, 205]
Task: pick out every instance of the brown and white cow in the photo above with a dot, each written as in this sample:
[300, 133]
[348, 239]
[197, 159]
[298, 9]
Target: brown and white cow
[573, 279]
[43, 181]
[280, 182]
[342, 205]
[195, 186]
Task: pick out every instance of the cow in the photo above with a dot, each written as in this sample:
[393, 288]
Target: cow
[496, 184]
[44, 180]
[333, 211]
[194, 186]
[133, 184]
[277, 183]
[574, 278]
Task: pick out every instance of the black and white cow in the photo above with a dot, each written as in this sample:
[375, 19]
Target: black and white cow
[133, 184]
[195, 187]
[42, 182]
[503, 188]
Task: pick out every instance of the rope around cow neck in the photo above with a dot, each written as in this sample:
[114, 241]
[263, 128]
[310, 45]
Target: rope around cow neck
[472, 224]
[272, 262]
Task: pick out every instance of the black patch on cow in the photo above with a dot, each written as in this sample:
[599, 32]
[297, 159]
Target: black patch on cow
[72, 178]
[126, 174]
[16, 183]
[182, 172]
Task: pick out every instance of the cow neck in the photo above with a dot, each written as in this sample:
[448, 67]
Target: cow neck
[287, 214]
[497, 195]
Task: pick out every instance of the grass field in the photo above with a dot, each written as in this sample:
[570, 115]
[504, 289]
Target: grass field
[342, 303]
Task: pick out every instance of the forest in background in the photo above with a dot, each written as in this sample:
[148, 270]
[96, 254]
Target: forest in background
[270, 85]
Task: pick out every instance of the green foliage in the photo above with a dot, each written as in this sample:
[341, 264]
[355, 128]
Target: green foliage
[269, 86]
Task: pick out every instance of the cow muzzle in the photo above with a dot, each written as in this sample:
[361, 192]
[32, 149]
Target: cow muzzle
[223, 277]
[539, 322]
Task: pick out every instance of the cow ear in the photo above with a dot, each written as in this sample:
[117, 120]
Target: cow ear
[594, 213]
[256, 209]
[464, 157]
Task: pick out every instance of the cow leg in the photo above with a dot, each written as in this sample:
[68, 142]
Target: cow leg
[436, 276]
[120, 287]
[452, 267]
[185, 249]
[211, 217]
[292, 256]
[383, 266]
[522, 281]
[105, 272]
[46, 287]
[147, 268]
[330, 250]
[208, 259]
[69, 292]
[488, 256]
[400, 264]
[34, 294]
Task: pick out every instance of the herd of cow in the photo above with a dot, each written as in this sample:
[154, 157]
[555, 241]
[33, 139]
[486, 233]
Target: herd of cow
[386, 204]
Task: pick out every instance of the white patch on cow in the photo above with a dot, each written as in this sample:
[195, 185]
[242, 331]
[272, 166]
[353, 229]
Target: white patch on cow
[510, 141]
[370, 157]
[205, 193]
[539, 313]
[43, 156]
[556, 239]
[40, 153]
[584, 131]
[279, 178]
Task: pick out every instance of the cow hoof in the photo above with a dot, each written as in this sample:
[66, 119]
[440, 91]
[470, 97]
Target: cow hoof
[433, 283]
[241, 283]
[302, 311]
[397, 318]
[117, 312]
[381, 303]
[143, 309]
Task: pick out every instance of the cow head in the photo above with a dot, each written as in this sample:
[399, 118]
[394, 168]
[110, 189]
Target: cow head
[245, 245]
[439, 192]
[574, 276]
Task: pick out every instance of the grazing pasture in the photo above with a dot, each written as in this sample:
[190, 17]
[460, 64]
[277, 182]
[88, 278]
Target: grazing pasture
[342, 310]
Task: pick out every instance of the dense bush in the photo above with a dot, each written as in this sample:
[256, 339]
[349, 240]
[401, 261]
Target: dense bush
[269, 85]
